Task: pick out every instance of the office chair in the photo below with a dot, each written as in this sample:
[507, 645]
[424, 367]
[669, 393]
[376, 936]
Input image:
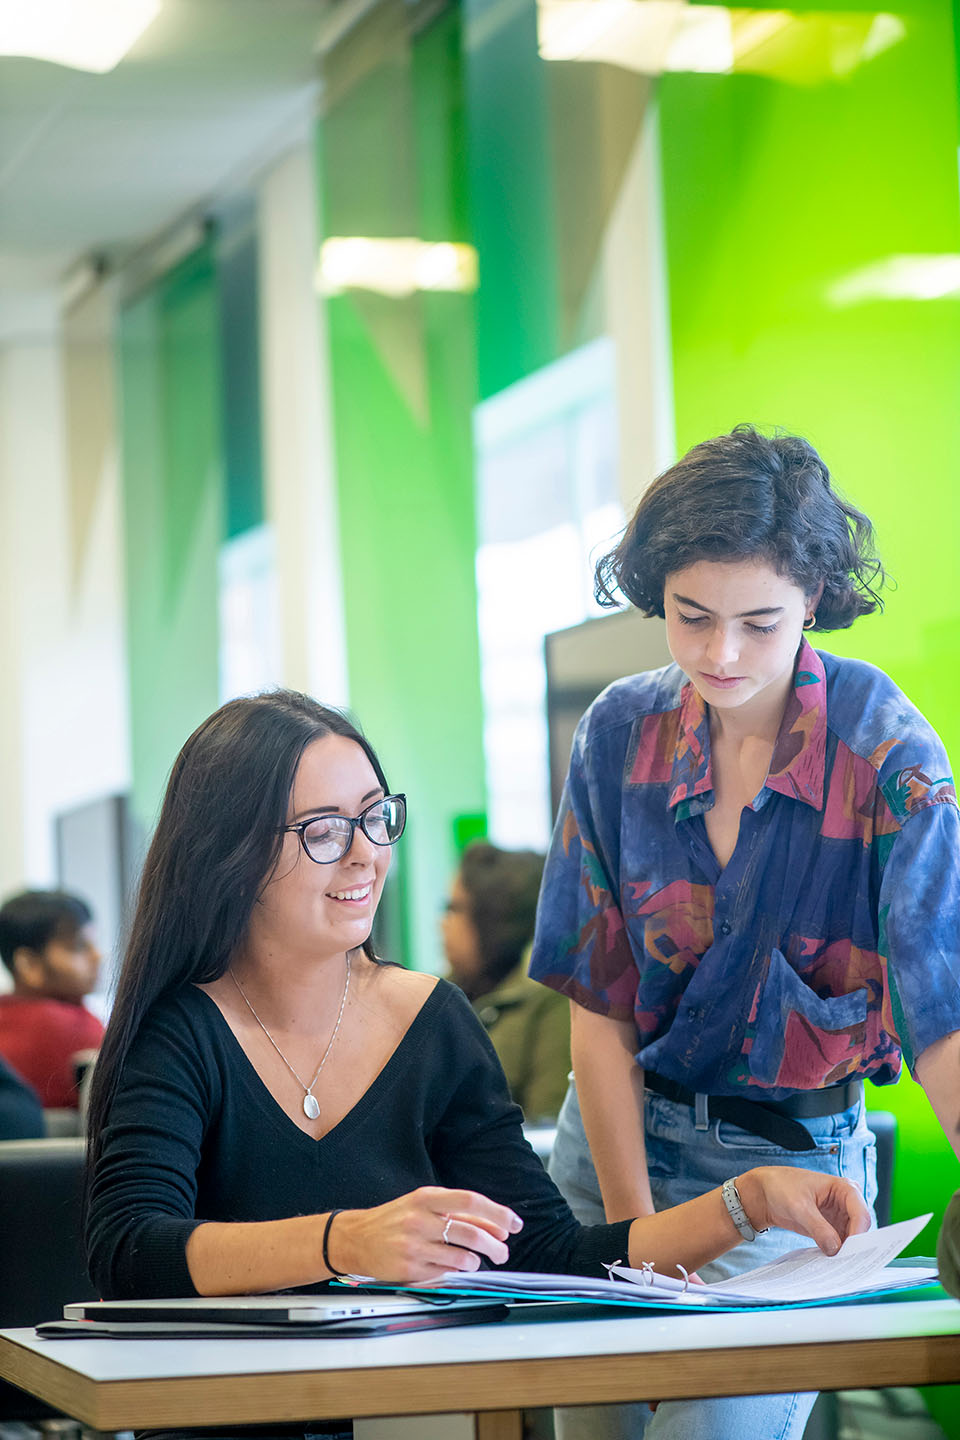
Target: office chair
[42, 1263]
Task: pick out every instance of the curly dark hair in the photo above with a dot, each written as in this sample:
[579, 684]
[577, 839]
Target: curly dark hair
[749, 496]
[503, 886]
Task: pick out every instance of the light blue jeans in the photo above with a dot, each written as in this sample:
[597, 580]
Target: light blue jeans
[684, 1162]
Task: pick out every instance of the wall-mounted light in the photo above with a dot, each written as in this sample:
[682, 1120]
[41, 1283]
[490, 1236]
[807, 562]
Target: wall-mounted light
[399, 266]
[653, 37]
[900, 277]
[83, 34]
[81, 280]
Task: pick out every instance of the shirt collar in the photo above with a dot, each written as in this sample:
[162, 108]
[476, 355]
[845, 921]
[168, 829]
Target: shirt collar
[798, 763]
[691, 774]
[799, 757]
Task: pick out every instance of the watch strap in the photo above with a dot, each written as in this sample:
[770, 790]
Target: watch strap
[731, 1198]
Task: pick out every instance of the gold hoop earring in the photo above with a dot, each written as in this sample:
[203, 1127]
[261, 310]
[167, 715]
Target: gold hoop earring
[810, 621]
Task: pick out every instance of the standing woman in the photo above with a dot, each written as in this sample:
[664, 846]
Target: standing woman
[752, 893]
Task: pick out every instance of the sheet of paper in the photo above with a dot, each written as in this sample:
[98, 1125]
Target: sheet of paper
[521, 1282]
[650, 1279]
[808, 1274]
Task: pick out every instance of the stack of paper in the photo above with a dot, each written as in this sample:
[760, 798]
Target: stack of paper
[805, 1276]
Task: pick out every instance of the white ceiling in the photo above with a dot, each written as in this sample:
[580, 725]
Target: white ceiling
[100, 164]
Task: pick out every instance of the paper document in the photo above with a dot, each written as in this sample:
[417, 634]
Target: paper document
[858, 1268]
[803, 1276]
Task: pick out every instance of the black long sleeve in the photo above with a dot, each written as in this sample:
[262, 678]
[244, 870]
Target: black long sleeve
[194, 1135]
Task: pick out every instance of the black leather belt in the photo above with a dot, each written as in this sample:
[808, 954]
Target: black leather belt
[775, 1120]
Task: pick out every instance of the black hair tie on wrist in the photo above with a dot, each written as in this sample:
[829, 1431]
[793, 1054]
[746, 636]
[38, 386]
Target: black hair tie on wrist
[338, 1274]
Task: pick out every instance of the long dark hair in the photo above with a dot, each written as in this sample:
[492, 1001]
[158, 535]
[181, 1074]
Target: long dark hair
[746, 496]
[217, 840]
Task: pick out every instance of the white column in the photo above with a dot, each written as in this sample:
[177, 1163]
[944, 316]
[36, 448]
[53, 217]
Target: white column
[63, 716]
[637, 316]
[297, 433]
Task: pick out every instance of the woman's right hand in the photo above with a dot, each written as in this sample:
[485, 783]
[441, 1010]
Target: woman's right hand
[827, 1208]
[401, 1242]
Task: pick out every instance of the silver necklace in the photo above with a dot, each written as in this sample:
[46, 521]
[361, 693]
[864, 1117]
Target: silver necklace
[311, 1107]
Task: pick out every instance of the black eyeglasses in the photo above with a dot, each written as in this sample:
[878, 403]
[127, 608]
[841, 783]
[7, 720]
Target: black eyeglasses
[326, 838]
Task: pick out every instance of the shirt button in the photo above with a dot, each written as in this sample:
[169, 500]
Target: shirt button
[724, 927]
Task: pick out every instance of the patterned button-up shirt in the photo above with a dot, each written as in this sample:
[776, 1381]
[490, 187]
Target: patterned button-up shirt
[827, 945]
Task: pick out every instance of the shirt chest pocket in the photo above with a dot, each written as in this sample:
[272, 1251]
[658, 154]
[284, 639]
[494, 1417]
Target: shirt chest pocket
[799, 1040]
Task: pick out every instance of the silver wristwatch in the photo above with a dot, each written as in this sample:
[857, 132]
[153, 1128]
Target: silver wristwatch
[731, 1198]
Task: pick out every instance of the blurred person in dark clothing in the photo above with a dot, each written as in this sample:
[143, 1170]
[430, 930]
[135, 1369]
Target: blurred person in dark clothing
[487, 929]
[21, 1114]
[948, 1248]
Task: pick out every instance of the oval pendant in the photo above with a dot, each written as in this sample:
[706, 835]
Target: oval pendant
[310, 1107]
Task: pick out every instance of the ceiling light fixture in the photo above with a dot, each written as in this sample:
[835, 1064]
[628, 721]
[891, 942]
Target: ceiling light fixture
[654, 37]
[82, 34]
[396, 267]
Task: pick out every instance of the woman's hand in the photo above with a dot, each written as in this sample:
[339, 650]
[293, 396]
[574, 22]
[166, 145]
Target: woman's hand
[403, 1242]
[825, 1207]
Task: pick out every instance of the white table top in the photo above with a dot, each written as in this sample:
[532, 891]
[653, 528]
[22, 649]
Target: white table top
[110, 1360]
[144, 1383]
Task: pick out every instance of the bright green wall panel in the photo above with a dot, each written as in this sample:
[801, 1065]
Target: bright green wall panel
[772, 194]
[170, 448]
[404, 386]
[238, 304]
[511, 196]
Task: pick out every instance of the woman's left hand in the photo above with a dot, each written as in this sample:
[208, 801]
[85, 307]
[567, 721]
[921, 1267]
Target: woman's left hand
[825, 1207]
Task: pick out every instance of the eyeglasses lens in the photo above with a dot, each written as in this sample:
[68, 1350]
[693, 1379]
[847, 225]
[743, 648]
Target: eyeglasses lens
[384, 822]
[329, 836]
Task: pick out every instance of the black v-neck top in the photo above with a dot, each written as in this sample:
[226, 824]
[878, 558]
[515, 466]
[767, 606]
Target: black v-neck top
[194, 1135]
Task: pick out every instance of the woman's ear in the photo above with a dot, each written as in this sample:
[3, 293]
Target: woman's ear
[814, 599]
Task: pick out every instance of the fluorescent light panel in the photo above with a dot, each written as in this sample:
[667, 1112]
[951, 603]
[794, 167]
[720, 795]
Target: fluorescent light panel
[82, 34]
[652, 37]
[900, 277]
[397, 267]
[635, 35]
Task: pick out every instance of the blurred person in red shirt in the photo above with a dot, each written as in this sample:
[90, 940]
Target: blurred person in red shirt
[47, 944]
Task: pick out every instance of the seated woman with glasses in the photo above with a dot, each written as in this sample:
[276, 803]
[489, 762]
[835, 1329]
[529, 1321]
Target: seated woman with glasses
[273, 1105]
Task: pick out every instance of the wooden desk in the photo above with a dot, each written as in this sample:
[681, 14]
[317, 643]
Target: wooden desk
[493, 1370]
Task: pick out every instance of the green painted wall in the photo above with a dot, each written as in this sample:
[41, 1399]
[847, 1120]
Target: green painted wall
[238, 305]
[548, 145]
[172, 488]
[511, 192]
[404, 383]
[772, 193]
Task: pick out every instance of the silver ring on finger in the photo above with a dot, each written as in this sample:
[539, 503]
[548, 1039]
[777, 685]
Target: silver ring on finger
[445, 1237]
